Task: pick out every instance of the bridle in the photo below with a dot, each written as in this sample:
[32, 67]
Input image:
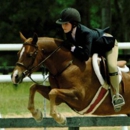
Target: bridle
[33, 56]
[29, 69]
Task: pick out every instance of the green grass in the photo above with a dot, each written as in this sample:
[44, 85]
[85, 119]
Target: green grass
[14, 99]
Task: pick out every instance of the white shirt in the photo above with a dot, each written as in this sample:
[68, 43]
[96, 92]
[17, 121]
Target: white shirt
[74, 33]
[73, 36]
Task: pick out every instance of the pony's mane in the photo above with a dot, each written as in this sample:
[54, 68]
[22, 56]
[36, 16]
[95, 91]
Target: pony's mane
[57, 40]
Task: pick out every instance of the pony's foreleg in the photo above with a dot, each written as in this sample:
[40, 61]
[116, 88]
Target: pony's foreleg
[36, 113]
[57, 116]
[61, 95]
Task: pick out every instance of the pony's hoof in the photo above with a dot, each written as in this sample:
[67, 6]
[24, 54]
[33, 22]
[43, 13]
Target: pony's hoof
[63, 122]
[39, 116]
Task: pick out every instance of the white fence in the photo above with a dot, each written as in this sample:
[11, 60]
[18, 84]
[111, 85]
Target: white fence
[17, 46]
[36, 77]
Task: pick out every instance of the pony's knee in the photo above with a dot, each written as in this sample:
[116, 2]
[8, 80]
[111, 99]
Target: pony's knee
[33, 87]
[53, 92]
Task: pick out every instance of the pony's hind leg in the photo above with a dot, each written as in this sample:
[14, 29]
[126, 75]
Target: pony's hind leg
[36, 113]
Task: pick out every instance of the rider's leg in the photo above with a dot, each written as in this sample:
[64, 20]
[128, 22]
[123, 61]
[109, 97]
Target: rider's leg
[111, 57]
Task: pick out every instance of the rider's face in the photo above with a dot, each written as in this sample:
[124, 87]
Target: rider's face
[66, 27]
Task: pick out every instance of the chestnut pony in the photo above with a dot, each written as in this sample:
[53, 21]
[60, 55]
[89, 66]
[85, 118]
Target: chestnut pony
[71, 81]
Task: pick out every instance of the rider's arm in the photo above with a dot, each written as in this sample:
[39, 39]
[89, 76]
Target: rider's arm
[83, 51]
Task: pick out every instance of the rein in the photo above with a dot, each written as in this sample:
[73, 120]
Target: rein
[26, 72]
[63, 69]
[46, 58]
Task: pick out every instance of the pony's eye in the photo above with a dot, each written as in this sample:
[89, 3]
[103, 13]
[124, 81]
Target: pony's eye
[44, 51]
[29, 54]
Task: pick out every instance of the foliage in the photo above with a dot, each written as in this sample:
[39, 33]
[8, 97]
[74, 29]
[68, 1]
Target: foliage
[40, 16]
[28, 17]
[120, 19]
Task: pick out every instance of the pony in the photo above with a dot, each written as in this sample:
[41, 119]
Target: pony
[71, 81]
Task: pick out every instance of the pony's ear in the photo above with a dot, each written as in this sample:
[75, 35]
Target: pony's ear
[35, 38]
[22, 37]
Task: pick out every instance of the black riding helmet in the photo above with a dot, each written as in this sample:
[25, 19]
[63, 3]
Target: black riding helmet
[69, 15]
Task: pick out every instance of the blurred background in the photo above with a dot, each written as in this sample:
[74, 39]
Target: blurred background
[39, 16]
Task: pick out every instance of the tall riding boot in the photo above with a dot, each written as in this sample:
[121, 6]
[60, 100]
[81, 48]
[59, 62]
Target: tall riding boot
[117, 99]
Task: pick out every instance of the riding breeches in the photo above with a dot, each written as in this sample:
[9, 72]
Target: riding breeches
[111, 59]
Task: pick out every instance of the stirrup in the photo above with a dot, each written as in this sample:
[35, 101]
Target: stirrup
[118, 101]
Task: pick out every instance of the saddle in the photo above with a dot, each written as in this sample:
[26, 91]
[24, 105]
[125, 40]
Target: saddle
[104, 69]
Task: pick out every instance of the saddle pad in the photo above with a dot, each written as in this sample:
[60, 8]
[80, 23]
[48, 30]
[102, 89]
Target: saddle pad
[97, 100]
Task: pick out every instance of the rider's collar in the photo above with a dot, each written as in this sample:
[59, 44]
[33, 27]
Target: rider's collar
[74, 32]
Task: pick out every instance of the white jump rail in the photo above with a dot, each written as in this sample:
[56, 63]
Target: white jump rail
[35, 77]
[10, 47]
[17, 46]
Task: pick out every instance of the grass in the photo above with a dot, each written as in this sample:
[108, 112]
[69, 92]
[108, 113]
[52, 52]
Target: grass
[14, 100]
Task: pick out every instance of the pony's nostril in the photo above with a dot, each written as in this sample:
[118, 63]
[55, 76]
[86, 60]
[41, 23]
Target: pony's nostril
[16, 77]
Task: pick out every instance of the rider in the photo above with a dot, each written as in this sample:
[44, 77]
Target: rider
[83, 42]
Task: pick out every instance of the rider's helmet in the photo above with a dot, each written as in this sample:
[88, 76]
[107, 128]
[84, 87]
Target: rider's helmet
[69, 15]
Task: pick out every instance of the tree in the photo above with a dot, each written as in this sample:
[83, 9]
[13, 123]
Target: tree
[106, 13]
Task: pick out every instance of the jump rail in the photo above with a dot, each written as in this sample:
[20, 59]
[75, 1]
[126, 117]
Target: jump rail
[73, 123]
[17, 46]
[36, 77]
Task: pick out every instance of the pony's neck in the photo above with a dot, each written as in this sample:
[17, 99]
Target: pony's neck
[59, 62]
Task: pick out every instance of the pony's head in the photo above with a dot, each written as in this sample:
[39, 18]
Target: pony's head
[26, 58]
